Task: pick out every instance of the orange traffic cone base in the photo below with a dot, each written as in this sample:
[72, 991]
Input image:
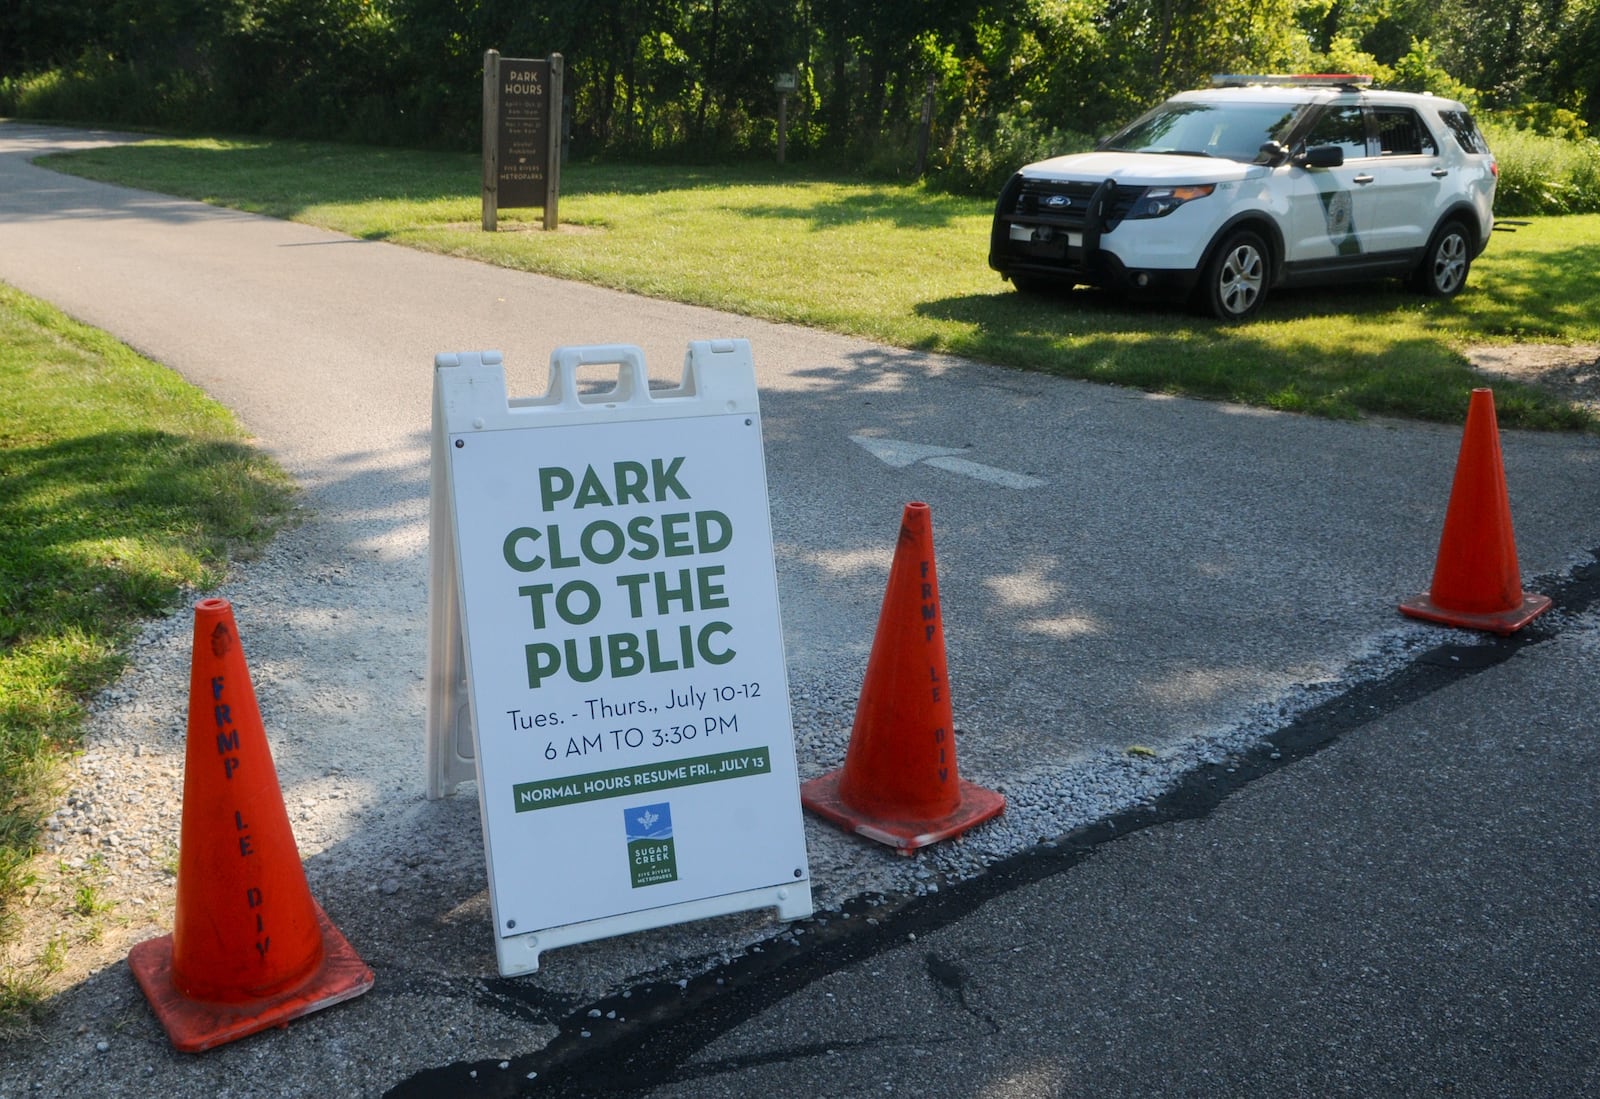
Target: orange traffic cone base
[1505, 623]
[198, 1025]
[821, 796]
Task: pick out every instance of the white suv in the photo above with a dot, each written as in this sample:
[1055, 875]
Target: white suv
[1257, 182]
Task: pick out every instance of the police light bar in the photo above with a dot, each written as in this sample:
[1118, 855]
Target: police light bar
[1295, 80]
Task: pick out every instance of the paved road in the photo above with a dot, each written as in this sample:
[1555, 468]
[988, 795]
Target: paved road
[1407, 904]
[1189, 577]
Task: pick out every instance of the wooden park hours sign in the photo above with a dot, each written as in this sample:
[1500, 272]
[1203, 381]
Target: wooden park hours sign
[521, 135]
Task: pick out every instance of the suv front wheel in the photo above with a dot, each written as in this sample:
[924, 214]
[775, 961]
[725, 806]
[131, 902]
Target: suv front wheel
[1443, 270]
[1235, 282]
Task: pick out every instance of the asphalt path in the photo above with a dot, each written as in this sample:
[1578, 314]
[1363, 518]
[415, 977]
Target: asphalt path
[1193, 578]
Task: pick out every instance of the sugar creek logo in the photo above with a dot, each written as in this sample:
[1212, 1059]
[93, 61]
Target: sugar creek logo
[652, 858]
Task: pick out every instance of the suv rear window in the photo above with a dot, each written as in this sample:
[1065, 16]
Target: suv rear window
[1402, 133]
[1468, 136]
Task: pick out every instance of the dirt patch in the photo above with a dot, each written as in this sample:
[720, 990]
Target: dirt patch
[1572, 371]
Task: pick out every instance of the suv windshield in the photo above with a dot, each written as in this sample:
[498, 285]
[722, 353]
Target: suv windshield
[1235, 131]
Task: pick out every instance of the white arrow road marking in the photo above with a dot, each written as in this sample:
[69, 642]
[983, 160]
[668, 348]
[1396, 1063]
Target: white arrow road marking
[899, 454]
[1002, 477]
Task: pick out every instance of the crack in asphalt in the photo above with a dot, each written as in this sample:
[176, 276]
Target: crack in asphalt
[953, 978]
[644, 1037]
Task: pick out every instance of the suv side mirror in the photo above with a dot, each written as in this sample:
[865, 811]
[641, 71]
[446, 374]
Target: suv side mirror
[1322, 156]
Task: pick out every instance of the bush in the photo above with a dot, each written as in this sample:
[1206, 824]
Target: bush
[1545, 119]
[98, 90]
[1543, 175]
[985, 153]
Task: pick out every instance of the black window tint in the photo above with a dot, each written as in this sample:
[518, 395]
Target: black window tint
[1468, 136]
[1345, 127]
[1402, 133]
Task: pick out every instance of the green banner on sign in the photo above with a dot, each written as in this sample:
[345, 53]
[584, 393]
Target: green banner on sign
[626, 781]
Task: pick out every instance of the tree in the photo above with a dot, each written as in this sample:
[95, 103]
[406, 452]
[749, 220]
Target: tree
[1573, 77]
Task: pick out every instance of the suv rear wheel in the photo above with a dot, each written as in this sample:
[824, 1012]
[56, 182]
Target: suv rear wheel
[1236, 280]
[1443, 270]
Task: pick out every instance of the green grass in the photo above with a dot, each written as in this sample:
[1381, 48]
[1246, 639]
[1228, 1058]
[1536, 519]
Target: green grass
[121, 488]
[907, 266]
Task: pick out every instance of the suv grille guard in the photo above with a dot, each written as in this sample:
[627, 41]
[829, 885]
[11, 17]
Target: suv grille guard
[1071, 204]
[1094, 213]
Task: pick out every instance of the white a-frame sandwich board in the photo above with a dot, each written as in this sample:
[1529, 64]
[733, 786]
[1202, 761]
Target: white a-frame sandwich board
[605, 654]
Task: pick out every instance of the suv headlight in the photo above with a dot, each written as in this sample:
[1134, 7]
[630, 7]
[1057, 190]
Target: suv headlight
[1158, 202]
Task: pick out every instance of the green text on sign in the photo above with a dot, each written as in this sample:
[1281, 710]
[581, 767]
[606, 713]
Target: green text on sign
[644, 779]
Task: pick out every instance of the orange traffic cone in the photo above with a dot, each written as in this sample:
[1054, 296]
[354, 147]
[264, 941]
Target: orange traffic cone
[250, 948]
[1476, 582]
[899, 784]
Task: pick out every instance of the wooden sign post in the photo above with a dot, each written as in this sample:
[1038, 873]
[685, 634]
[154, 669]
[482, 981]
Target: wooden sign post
[784, 84]
[521, 135]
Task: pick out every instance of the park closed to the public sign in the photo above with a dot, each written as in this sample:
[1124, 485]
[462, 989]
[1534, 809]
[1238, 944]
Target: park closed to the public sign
[630, 694]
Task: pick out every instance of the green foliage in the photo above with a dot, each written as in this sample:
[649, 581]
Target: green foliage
[314, 67]
[98, 89]
[270, 66]
[1344, 55]
[1543, 175]
[1421, 71]
[1545, 119]
[1507, 49]
[985, 155]
[691, 80]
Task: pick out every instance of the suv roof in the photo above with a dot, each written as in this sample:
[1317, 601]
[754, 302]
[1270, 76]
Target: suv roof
[1323, 90]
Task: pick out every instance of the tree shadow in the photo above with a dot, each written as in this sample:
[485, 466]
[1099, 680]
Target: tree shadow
[131, 483]
[1326, 370]
[889, 207]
